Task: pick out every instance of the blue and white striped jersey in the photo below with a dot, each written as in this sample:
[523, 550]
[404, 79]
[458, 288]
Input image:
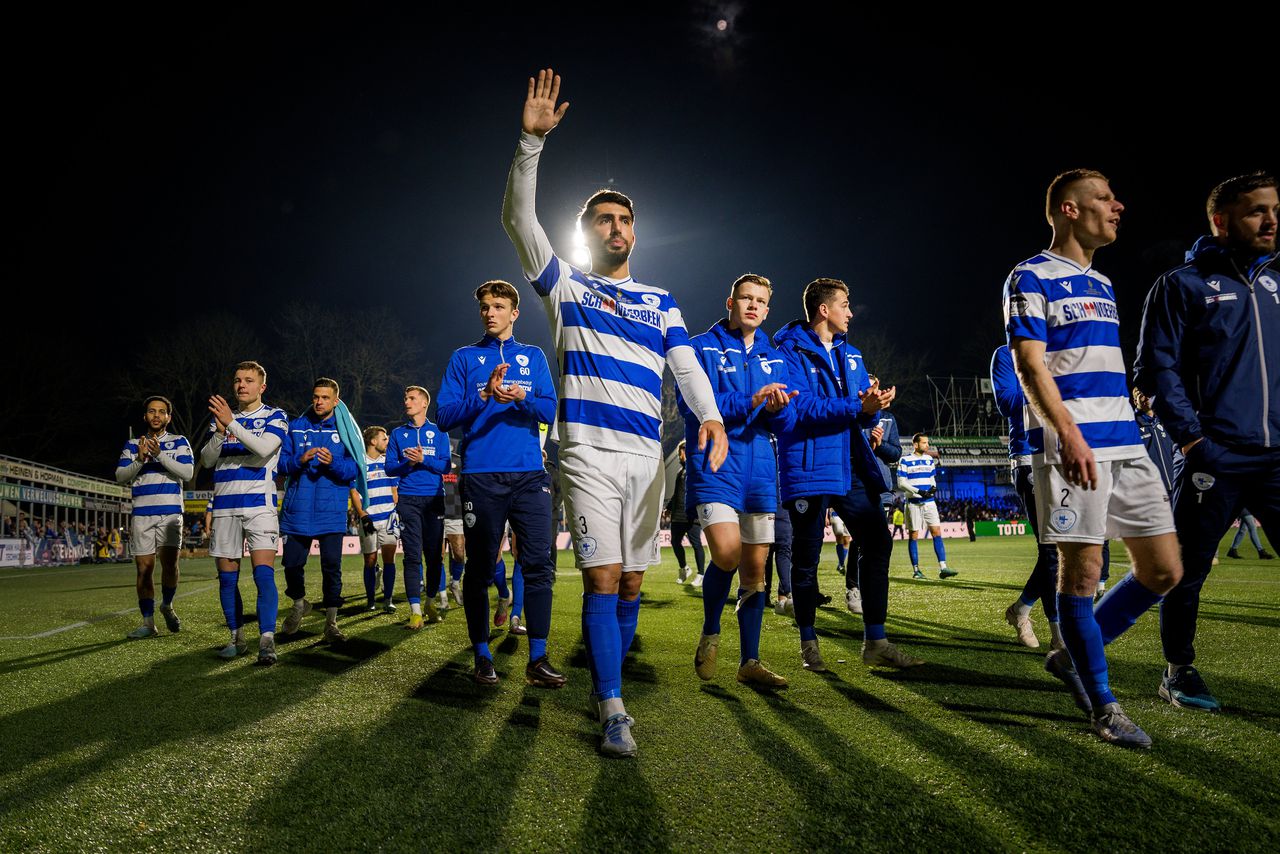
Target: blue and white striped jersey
[157, 483]
[245, 462]
[920, 471]
[613, 337]
[381, 502]
[1073, 310]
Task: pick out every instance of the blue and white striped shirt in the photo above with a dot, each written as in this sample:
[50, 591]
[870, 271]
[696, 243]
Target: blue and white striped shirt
[381, 502]
[613, 337]
[157, 483]
[246, 462]
[919, 470]
[1073, 310]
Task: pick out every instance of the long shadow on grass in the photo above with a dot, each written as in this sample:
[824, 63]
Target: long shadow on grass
[185, 696]
[621, 813]
[427, 776]
[1096, 771]
[1243, 619]
[848, 799]
[53, 656]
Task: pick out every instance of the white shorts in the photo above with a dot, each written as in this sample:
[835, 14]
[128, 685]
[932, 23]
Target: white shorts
[1129, 501]
[370, 543]
[753, 528]
[147, 533]
[230, 533]
[921, 516]
[452, 527]
[838, 527]
[613, 502]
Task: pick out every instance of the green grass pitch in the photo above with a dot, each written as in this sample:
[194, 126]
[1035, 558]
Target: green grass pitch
[385, 744]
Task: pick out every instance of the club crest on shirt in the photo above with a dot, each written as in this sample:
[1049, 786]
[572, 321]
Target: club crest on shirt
[431, 434]
[853, 363]
[1268, 283]
[1202, 481]
[706, 511]
[522, 360]
[259, 423]
[587, 546]
[766, 367]
[802, 506]
[336, 439]
[1063, 519]
[168, 446]
[651, 300]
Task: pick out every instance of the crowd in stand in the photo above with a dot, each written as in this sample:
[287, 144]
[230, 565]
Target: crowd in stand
[66, 542]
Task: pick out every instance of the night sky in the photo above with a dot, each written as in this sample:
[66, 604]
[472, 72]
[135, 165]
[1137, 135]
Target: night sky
[167, 168]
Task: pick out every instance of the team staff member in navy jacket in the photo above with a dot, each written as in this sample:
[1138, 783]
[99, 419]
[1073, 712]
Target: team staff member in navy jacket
[499, 392]
[826, 460]
[418, 454]
[320, 473]
[736, 504]
[1209, 355]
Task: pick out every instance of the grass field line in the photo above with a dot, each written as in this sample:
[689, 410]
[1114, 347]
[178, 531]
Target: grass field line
[89, 622]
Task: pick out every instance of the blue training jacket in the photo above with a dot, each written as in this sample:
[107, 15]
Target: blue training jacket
[747, 480]
[1010, 400]
[1209, 352]
[418, 478]
[315, 501]
[497, 437]
[824, 448]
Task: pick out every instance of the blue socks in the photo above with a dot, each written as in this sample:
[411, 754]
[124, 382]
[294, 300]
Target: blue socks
[1121, 607]
[537, 648]
[517, 589]
[1084, 642]
[600, 634]
[842, 554]
[939, 549]
[873, 631]
[371, 582]
[167, 594]
[628, 618]
[388, 580]
[1027, 599]
[808, 633]
[914, 551]
[229, 596]
[482, 650]
[750, 615]
[147, 607]
[268, 597]
[715, 592]
[455, 568]
[500, 579]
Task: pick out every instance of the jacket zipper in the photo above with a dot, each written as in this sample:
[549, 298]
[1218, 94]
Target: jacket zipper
[1262, 353]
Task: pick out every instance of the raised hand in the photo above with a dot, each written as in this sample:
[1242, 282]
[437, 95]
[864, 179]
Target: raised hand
[540, 112]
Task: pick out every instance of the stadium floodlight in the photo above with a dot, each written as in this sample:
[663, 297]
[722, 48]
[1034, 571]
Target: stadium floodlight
[581, 257]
